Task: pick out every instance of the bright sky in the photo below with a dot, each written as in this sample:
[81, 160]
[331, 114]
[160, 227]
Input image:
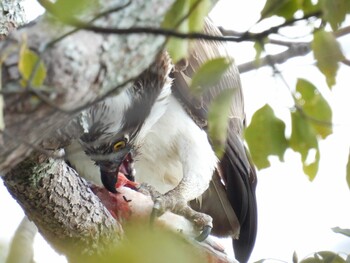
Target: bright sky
[294, 213]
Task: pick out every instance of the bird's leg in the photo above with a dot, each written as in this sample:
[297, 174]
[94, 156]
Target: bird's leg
[173, 201]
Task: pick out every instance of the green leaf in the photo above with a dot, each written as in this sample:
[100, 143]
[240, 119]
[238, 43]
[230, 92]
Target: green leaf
[173, 19]
[184, 16]
[218, 116]
[303, 140]
[65, 9]
[271, 7]
[288, 10]
[209, 74]
[348, 171]
[282, 8]
[177, 48]
[196, 19]
[324, 257]
[343, 231]
[308, 6]
[334, 11]
[330, 257]
[30, 64]
[315, 106]
[175, 14]
[327, 53]
[146, 245]
[265, 136]
[259, 48]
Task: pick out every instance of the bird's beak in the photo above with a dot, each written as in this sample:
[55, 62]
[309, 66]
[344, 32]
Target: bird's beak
[109, 172]
[109, 176]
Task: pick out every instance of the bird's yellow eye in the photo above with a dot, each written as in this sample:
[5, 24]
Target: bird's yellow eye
[119, 145]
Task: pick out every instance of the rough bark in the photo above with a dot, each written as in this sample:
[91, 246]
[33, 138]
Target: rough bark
[11, 16]
[70, 217]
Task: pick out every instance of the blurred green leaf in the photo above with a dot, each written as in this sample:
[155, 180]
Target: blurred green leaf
[218, 115]
[303, 140]
[265, 136]
[65, 9]
[27, 66]
[177, 48]
[196, 19]
[324, 257]
[155, 246]
[334, 11]
[149, 245]
[209, 74]
[259, 48]
[288, 9]
[182, 18]
[348, 171]
[309, 7]
[271, 7]
[315, 106]
[175, 15]
[327, 53]
[343, 231]
[282, 8]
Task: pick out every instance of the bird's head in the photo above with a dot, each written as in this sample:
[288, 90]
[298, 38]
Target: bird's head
[113, 156]
[115, 127]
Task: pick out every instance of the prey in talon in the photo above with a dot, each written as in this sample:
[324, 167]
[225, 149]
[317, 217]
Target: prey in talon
[158, 128]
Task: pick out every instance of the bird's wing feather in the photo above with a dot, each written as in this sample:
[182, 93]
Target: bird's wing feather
[231, 195]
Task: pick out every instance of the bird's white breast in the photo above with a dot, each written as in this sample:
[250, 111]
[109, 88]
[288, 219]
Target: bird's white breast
[159, 162]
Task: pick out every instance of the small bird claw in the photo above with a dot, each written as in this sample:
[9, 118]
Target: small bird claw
[155, 212]
[204, 234]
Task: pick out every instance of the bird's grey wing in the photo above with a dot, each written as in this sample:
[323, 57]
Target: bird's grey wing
[231, 195]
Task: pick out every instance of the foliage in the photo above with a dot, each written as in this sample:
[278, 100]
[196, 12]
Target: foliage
[165, 246]
[311, 118]
[185, 16]
[265, 136]
[30, 67]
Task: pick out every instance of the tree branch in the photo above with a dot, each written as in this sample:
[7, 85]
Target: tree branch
[63, 207]
[170, 32]
[295, 49]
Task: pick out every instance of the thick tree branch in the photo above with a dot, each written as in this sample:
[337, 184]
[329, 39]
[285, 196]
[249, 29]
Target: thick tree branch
[63, 207]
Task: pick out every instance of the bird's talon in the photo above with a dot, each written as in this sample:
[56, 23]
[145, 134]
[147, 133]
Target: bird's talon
[155, 212]
[204, 234]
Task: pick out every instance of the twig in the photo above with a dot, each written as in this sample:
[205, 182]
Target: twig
[168, 32]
